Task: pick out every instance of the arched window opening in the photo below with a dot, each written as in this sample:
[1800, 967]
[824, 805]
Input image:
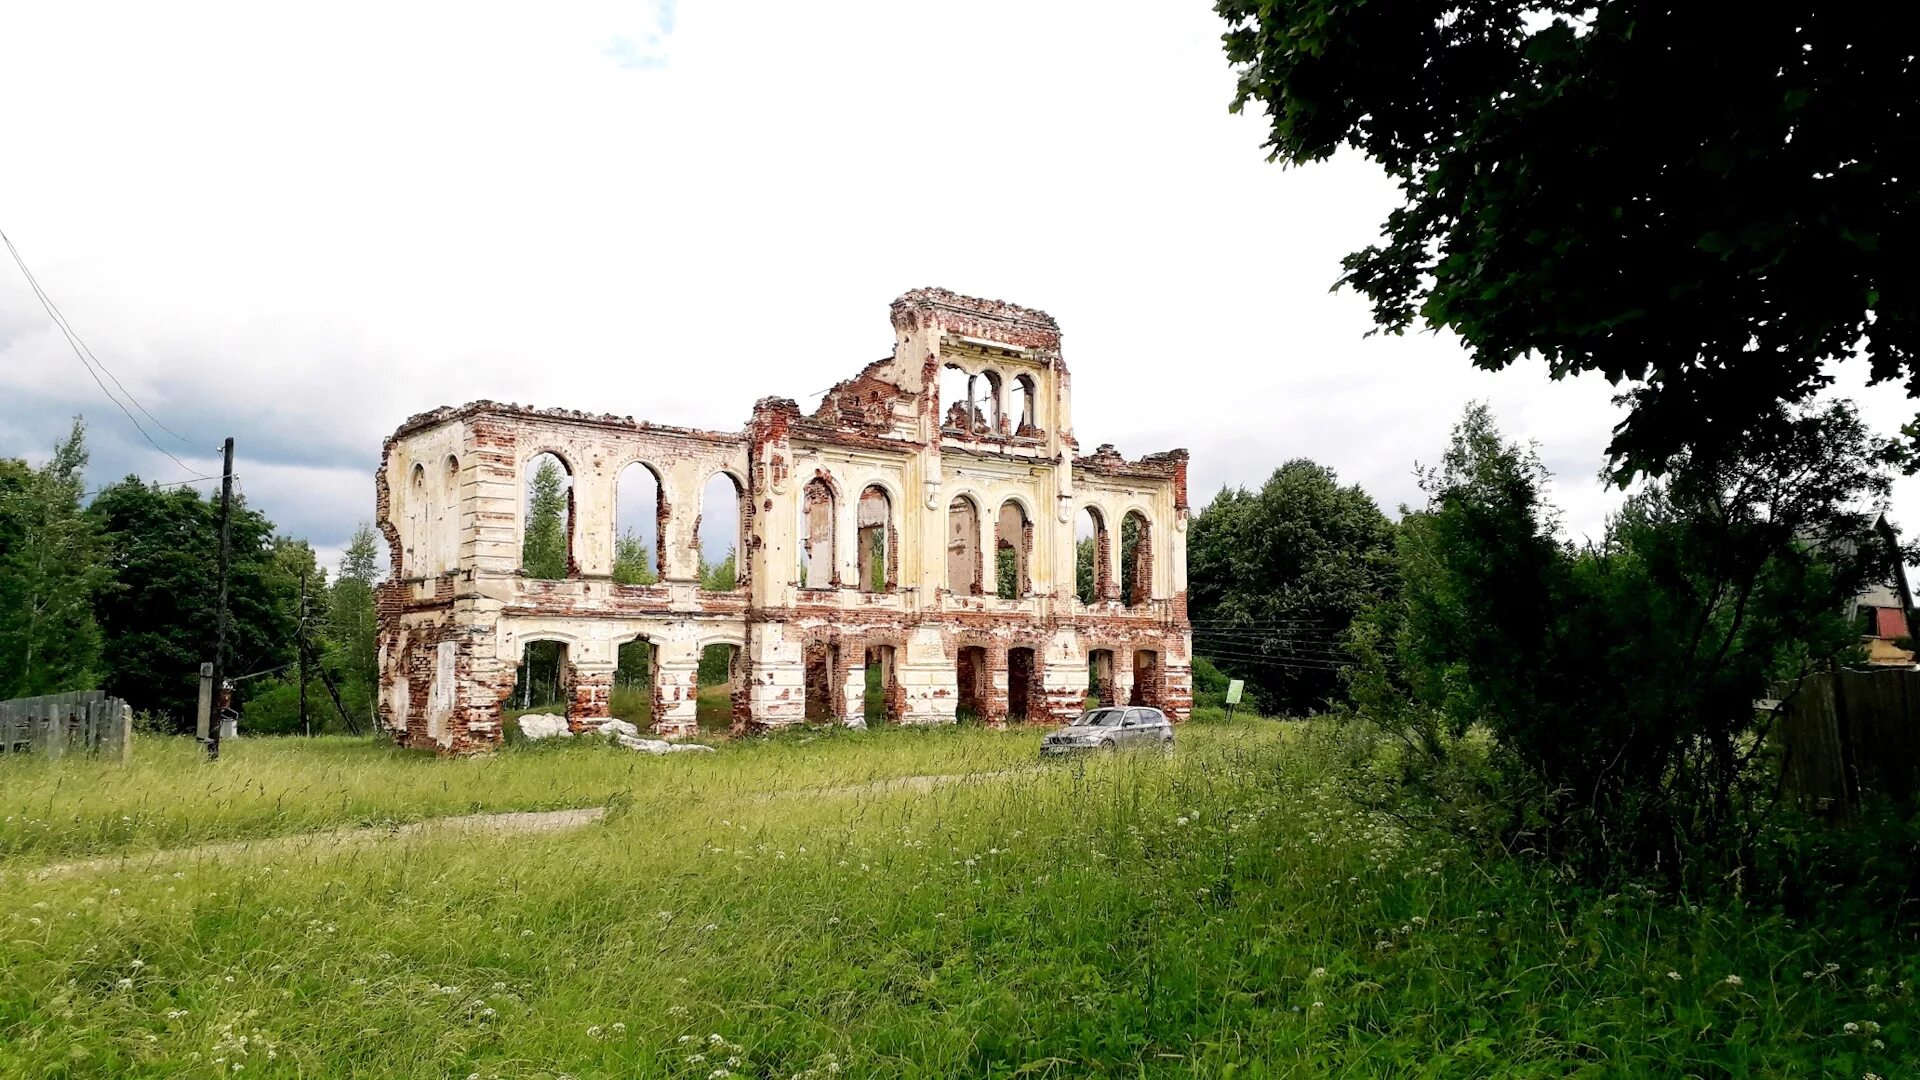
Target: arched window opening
[639, 520]
[882, 700]
[546, 538]
[718, 534]
[987, 405]
[1012, 552]
[450, 515]
[970, 675]
[634, 678]
[879, 569]
[1136, 559]
[1092, 556]
[956, 397]
[817, 568]
[720, 702]
[963, 547]
[419, 513]
[1020, 406]
[1099, 678]
[541, 683]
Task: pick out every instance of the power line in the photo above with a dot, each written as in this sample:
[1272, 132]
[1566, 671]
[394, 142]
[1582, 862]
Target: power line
[154, 483]
[82, 353]
[60, 318]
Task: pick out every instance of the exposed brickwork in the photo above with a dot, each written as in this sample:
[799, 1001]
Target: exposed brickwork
[454, 622]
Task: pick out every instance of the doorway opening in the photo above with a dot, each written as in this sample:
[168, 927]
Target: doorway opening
[970, 684]
[720, 695]
[633, 680]
[1023, 684]
[822, 663]
[1100, 678]
[881, 700]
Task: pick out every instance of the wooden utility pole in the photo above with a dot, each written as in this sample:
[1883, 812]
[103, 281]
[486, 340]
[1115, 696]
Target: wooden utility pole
[304, 725]
[220, 619]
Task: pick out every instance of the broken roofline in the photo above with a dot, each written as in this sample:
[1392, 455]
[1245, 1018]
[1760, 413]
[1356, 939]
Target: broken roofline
[488, 407]
[973, 320]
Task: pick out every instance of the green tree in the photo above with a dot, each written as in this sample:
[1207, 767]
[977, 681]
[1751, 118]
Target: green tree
[1085, 556]
[1274, 577]
[723, 576]
[160, 624]
[1617, 681]
[52, 568]
[1707, 208]
[632, 564]
[543, 552]
[350, 645]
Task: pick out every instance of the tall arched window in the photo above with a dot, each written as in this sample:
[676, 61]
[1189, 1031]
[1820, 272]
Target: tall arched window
[546, 535]
[956, 399]
[988, 408]
[963, 547]
[638, 524]
[1012, 552]
[1092, 556]
[450, 515]
[1136, 559]
[1020, 406]
[817, 567]
[878, 560]
[718, 534]
[419, 522]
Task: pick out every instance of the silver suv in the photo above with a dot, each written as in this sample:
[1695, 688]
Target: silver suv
[1110, 729]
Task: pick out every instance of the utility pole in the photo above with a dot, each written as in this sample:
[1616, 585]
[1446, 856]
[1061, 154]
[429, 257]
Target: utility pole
[220, 620]
[304, 725]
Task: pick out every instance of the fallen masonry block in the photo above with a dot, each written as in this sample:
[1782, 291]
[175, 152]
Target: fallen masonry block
[660, 746]
[544, 726]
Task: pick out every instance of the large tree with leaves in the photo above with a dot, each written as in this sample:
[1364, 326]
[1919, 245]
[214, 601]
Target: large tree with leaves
[543, 548]
[159, 623]
[52, 567]
[1707, 204]
[1617, 681]
[1274, 576]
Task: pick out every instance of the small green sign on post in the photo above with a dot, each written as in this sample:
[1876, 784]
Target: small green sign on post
[1234, 689]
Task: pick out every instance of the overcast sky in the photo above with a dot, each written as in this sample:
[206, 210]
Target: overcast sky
[299, 230]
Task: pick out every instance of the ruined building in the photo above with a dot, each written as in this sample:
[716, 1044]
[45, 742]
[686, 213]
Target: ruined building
[931, 537]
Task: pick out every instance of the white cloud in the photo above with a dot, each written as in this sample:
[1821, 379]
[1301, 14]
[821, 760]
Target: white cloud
[300, 228]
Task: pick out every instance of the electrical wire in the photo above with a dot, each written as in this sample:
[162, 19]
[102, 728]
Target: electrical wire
[154, 483]
[82, 353]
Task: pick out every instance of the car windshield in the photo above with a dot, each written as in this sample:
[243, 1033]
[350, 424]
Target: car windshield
[1102, 718]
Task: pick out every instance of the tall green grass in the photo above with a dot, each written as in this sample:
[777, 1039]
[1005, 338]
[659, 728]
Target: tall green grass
[172, 796]
[770, 911]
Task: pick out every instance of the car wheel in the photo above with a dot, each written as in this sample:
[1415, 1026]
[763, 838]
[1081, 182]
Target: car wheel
[1106, 744]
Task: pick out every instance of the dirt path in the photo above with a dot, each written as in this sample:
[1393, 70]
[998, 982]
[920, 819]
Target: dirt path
[499, 824]
[492, 824]
[896, 783]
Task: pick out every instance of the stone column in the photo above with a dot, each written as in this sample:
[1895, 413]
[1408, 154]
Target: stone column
[853, 685]
[591, 693]
[676, 688]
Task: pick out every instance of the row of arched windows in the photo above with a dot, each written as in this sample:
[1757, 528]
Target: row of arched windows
[433, 520]
[986, 403]
[640, 519]
[1008, 575]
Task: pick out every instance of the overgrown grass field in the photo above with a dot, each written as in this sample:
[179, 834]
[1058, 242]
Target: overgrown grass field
[794, 907]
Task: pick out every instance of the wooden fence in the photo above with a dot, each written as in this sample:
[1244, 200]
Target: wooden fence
[1852, 734]
[86, 721]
